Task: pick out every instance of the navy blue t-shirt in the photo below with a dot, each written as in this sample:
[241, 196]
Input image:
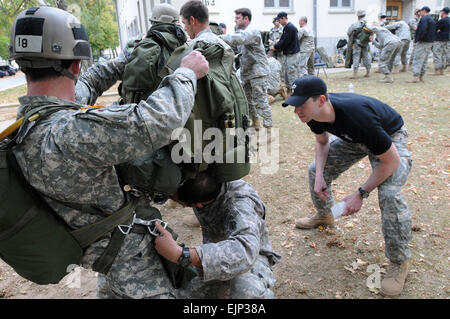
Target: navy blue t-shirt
[361, 119]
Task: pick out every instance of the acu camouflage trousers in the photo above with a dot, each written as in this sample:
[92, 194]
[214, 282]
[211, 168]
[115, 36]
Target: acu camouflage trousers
[257, 283]
[395, 215]
[421, 53]
[387, 56]
[291, 68]
[440, 54]
[364, 53]
[258, 102]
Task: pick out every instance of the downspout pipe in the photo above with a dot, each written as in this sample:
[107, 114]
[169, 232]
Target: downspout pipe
[315, 22]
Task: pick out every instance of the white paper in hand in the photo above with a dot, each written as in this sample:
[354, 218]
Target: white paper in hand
[338, 209]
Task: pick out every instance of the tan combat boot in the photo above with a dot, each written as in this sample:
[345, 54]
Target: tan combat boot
[404, 68]
[387, 79]
[421, 78]
[367, 75]
[414, 79]
[396, 69]
[441, 71]
[355, 74]
[394, 280]
[315, 221]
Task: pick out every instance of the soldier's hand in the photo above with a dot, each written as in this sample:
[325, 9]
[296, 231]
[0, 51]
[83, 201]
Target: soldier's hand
[166, 246]
[321, 188]
[197, 63]
[353, 204]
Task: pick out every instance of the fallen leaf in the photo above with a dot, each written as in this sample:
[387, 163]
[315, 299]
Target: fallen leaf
[349, 269]
[312, 244]
[349, 225]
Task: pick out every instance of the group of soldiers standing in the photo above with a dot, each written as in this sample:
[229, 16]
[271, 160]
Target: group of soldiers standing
[393, 42]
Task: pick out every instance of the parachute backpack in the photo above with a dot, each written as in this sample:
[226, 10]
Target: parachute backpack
[141, 76]
[220, 103]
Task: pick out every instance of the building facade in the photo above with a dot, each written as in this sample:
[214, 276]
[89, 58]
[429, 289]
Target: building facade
[329, 19]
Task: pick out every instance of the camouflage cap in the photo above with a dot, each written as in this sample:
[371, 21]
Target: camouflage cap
[164, 13]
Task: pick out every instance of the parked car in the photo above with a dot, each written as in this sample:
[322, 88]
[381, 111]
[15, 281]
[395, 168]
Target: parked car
[8, 69]
[3, 73]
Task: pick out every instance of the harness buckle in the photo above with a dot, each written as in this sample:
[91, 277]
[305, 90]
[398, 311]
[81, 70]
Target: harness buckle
[126, 229]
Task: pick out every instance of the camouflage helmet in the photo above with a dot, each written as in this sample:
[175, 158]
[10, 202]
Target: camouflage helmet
[361, 13]
[43, 36]
[164, 13]
[215, 28]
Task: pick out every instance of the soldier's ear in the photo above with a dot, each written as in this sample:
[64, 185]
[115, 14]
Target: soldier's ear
[75, 67]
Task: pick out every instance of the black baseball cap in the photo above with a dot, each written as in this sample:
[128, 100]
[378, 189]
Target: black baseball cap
[427, 9]
[446, 10]
[281, 15]
[304, 88]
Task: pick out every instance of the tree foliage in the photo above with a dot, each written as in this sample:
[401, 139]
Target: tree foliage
[9, 9]
[99, 19]
[98, 16]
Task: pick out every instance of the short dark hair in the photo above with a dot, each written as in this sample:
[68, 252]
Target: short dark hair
[245, 12]
[204, 188]
[196, 9]
[35, 75]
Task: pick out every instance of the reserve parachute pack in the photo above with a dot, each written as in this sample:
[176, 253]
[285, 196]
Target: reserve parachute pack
[140, 77]
[34, 241]
[220, 103]
[364, 36]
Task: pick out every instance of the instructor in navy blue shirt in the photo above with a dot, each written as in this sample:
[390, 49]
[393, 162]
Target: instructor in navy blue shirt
[361, 126]
[289, 44]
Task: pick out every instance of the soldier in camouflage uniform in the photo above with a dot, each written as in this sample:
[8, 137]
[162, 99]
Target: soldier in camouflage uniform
[362, 126]
[307, 46]
[402, 31]
[289, 45]
[413, 23]
[254, 67]
[236, 257]
[360, 50]
[274, 35]
[389, 46]
[70, 157]
[440, 45]
[423, 42]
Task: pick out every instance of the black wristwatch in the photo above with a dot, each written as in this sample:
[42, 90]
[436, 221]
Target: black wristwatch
[364, 194]
[185, 258]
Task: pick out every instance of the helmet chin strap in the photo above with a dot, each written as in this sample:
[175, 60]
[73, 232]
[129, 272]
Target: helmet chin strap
[58, 68]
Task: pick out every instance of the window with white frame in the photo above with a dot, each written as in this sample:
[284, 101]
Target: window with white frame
[277, 4]
[341, 4]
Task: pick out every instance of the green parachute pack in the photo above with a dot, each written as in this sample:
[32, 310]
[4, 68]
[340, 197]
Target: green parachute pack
[39, 246]
[140, 77]
[34, 241]
[220, 103]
